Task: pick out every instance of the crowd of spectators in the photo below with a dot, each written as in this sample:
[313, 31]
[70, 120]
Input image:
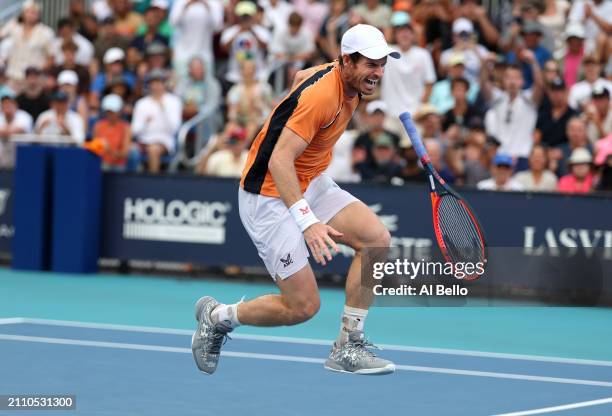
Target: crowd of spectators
[508, 95]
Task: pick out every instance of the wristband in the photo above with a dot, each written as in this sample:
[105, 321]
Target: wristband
[302, 214]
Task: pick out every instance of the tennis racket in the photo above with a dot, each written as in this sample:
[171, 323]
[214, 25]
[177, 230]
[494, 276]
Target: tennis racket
[458, 232]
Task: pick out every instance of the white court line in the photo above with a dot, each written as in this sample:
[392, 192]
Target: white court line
[311, 341]
[291, 358]
[559, 408]
[11, 321]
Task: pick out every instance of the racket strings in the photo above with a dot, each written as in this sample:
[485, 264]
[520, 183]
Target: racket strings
[459, 232]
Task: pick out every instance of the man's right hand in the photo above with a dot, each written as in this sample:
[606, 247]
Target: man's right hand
[319, 239]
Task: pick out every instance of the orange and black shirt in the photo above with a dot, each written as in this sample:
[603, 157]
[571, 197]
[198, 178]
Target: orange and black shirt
[316, 110]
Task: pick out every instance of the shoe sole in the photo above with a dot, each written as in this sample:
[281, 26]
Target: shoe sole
[388, 369]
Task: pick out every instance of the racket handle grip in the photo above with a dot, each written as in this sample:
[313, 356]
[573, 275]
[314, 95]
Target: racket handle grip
[414, 136]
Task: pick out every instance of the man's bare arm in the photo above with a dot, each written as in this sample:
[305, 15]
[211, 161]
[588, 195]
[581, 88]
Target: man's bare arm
[282, 166]
[318, 236]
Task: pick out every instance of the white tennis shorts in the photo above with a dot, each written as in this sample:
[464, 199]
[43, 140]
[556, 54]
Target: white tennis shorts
[279, 241]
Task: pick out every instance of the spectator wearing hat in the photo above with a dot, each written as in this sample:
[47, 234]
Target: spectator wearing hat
[581, 92]
[441, 96]
[384, 166]
[67, 33]
[571, 58]
[376, 113]
[245, 40]
[538, 177]
[68, 82]
[373, 12]
[127, 20]
[33, 99]
[195, 22]
[228, 155]
[28, 42]
[61, 120]
[113, 67]
[408, 80]
[115, 132]
[333, 27]
[531, 33]
[513, 114]
[465, 42]
[12, 121]
[501, 179]
[429, 122]
[523, 12]
[598, 114]
[156, 58]
[68, 50]
[487, 34]
[580, 179]
[107, 38]
[156, 120]
[592, 13]
[552, 119]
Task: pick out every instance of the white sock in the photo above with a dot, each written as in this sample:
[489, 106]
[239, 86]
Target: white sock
[353, 319]
[227, 314]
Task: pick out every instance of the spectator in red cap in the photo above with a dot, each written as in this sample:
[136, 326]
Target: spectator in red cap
[580, 180]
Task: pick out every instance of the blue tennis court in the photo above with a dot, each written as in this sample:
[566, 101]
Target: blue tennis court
[122, 346]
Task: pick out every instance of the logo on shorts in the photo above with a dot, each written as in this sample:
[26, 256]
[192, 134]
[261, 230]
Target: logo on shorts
[287, 260]
[304, 211]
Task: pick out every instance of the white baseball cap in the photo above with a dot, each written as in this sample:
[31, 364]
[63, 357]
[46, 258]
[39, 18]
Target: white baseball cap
[69, 77]
[112, 102]
[463, 25]
[113, 55]
[368, 41]
[376, 105]
[160, 4]
[575, 30]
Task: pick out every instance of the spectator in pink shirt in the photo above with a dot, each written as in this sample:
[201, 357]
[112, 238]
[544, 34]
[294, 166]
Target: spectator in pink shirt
[580, 180]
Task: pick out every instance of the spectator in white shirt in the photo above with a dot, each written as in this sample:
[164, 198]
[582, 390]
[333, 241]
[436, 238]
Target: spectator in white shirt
[60, 120]
[537, 178]
[502, 176]
[195, 23]
[408, 81]
[276, 14]
[581, 92]
[66, 33]
[464, 41]
[293, 44]
[588, 12]
[245, 41]
[513, 113]
[12, 121]
[156, 120]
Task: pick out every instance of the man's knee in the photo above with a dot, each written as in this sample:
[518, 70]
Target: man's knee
[304, 310]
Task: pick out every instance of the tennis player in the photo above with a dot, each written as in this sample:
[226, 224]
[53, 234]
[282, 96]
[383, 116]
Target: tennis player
[288, 204]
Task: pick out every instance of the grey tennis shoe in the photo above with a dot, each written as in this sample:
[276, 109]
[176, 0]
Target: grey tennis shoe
[209, 337]
[355, 357]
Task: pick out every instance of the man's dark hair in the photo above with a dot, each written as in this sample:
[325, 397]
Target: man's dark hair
[64, 22]
[514, 66]
[460, 80]
[353, 56]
